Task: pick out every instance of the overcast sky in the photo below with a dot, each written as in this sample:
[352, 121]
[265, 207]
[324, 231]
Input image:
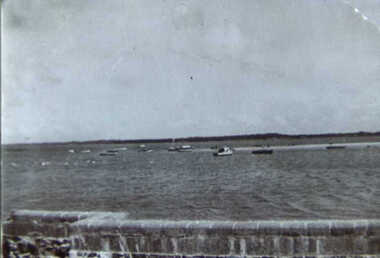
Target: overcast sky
[126, 69]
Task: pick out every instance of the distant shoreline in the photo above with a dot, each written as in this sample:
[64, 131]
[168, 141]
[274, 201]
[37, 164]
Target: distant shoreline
[247, 137]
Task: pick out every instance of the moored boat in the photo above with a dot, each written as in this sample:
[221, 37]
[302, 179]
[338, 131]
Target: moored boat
[107, 154]
[225, 151]
[335, 147]
[121, 149]
[266, 151]
[144, 148]
[173, 148]
[185, 148]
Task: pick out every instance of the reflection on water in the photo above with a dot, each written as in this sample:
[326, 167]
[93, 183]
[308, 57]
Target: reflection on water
[194, 185]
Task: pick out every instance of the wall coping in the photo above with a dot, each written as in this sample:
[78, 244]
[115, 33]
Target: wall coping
[91, 221]
[82, 233]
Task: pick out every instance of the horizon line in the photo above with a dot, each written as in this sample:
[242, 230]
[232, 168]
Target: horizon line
[205, 138]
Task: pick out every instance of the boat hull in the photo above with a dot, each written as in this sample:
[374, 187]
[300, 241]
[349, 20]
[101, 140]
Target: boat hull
[335, 147]
[222, 154]
[260, 152]
[107, 154]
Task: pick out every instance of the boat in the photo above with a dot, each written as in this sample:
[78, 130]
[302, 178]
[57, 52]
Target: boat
[185, 148]
[145, 149]
[107, 154]
[112, 151]
[173, 148]
[225, 151]
[267, 151]
[121, 149]
[335, 147]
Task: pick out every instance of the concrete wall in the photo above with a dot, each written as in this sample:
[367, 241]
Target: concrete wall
[91, 234]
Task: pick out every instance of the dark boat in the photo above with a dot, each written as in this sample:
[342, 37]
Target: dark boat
[107, 154]
[262, 152]
[335, 147]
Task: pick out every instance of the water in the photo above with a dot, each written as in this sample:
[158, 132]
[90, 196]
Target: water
[292, 184]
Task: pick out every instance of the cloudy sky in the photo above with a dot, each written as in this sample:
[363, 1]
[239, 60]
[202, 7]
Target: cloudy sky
[125, 69]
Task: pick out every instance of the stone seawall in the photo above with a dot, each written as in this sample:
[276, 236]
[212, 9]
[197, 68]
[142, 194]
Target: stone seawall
[98, 234]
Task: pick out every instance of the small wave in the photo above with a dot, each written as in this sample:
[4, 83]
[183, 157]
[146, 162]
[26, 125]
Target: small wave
[304, 209]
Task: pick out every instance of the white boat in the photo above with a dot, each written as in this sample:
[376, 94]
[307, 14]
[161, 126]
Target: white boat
[143, 148]
[173, 148]
[185, 148]
[121, 149]
[225, 151]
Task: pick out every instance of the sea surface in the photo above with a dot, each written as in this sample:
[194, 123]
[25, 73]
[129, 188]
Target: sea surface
[289, 184]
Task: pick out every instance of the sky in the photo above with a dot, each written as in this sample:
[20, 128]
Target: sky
[126, 69]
